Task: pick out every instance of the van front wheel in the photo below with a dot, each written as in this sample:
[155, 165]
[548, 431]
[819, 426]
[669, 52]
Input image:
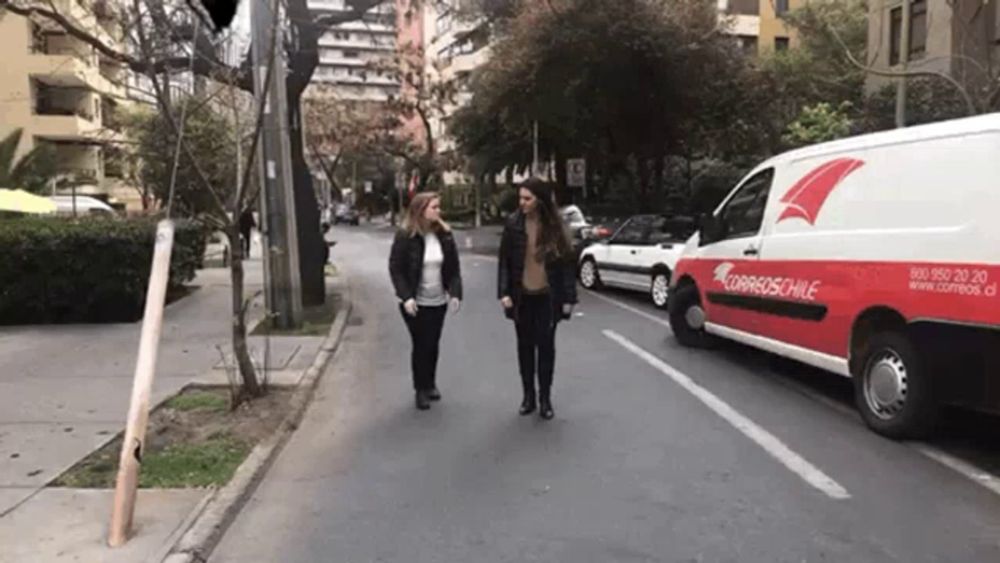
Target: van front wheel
[687, 317]
[893, 389]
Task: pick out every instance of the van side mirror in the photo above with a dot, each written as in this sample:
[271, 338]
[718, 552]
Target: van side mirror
[712, 229]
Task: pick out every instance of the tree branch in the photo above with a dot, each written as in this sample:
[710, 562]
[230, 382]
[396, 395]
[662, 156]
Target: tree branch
[970, 105]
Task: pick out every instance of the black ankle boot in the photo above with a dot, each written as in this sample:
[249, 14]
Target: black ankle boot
[545, 408]
[528, 405]
[423, 402]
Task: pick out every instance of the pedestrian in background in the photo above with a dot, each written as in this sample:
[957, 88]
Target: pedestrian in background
[426, 276]
[247, 225]
[537, 288]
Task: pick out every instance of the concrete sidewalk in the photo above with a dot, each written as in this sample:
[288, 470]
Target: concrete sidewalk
[64, 391]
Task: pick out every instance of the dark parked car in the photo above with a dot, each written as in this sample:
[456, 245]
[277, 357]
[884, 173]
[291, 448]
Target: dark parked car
[346, 214]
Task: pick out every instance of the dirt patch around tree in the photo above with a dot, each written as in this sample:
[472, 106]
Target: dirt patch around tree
[316, 320]
[193, 440]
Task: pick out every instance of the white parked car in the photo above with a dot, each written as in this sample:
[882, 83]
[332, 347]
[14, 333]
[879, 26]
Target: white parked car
[641, 256]
[83, 205]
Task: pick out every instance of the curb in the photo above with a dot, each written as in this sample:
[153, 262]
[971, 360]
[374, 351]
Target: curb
[212, 518]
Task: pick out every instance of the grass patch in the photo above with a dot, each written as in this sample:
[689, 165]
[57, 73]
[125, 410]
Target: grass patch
[198, 400]
[193, 440]
[212, 462]
[316, 321]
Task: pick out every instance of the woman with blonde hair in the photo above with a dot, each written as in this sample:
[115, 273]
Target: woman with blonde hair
[427, 277]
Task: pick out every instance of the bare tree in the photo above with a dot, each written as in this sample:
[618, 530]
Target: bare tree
[406, 128]
[339, 130]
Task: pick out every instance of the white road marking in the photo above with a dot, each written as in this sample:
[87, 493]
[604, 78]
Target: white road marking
[631, 309]
[771, 444]
[973, 473]
[989, 481]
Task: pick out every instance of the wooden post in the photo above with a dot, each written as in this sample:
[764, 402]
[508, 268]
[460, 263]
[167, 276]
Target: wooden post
[142, 384]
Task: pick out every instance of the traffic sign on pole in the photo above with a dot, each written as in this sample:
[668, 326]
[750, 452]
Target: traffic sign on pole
[576, 172]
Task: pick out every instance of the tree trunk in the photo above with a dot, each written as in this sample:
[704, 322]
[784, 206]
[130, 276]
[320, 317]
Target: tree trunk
[251, 387]
[313, 252]
[658, 177]
[645, 182]
[564, 197]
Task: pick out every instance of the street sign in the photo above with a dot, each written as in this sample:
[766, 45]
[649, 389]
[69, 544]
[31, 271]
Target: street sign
[576, 172]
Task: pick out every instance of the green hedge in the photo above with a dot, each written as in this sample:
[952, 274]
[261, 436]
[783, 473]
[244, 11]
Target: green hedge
[88, 271]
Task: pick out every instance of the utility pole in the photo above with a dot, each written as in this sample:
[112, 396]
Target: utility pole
[904, 59]
[534, 157]
[354, 182]
[281, 252]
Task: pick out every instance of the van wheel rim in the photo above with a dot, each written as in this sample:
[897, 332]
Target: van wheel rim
[886, 385]
[661, 290]
[695, 317]
[588, 274]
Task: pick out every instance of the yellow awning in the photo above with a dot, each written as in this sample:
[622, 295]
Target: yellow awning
[20, 201]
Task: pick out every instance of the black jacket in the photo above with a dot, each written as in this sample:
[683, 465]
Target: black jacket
[406, 265]
[510, 273]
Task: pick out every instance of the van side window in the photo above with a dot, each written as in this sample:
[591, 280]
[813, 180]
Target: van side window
[744, 213]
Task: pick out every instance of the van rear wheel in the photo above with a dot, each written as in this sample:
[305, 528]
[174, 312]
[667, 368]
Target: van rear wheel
[687, 317]
[893, 389]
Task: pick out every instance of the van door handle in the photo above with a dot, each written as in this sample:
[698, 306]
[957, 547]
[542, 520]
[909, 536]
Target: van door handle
[634, 252]
[751, 251]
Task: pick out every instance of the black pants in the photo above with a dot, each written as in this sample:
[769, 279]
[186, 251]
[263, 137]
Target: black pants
[536, 343]
[425, 332]
[245, 239]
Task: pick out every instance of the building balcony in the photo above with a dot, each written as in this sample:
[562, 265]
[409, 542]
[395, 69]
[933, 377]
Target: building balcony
[742, 25]
[71, 70]
[372, 42]
[91, 16]
[56, 127]
[469, 62]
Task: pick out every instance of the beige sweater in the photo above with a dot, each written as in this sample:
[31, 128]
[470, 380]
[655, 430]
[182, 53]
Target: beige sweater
[535, 278]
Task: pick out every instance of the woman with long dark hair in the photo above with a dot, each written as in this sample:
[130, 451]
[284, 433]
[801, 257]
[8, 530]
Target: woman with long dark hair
[427, 277]
[537, 288]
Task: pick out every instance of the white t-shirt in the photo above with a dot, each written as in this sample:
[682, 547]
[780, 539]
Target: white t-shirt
[431, 292]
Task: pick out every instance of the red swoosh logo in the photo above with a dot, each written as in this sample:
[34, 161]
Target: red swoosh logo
[808, 195]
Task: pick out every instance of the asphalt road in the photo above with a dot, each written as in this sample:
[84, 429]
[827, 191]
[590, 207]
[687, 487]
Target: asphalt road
[657, 453]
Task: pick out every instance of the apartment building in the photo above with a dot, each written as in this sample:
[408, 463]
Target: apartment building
[348, 50]
[961, 39]
[63, 93]
[758, 24]
[454, 47]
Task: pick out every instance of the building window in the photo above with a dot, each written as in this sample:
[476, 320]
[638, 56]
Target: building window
[781, 43]
[918, 31]
[351, 54]
[748, 44]
[744, 7]
[780, 7]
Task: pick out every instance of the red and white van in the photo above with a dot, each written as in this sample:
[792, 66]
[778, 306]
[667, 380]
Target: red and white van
[876, 257]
